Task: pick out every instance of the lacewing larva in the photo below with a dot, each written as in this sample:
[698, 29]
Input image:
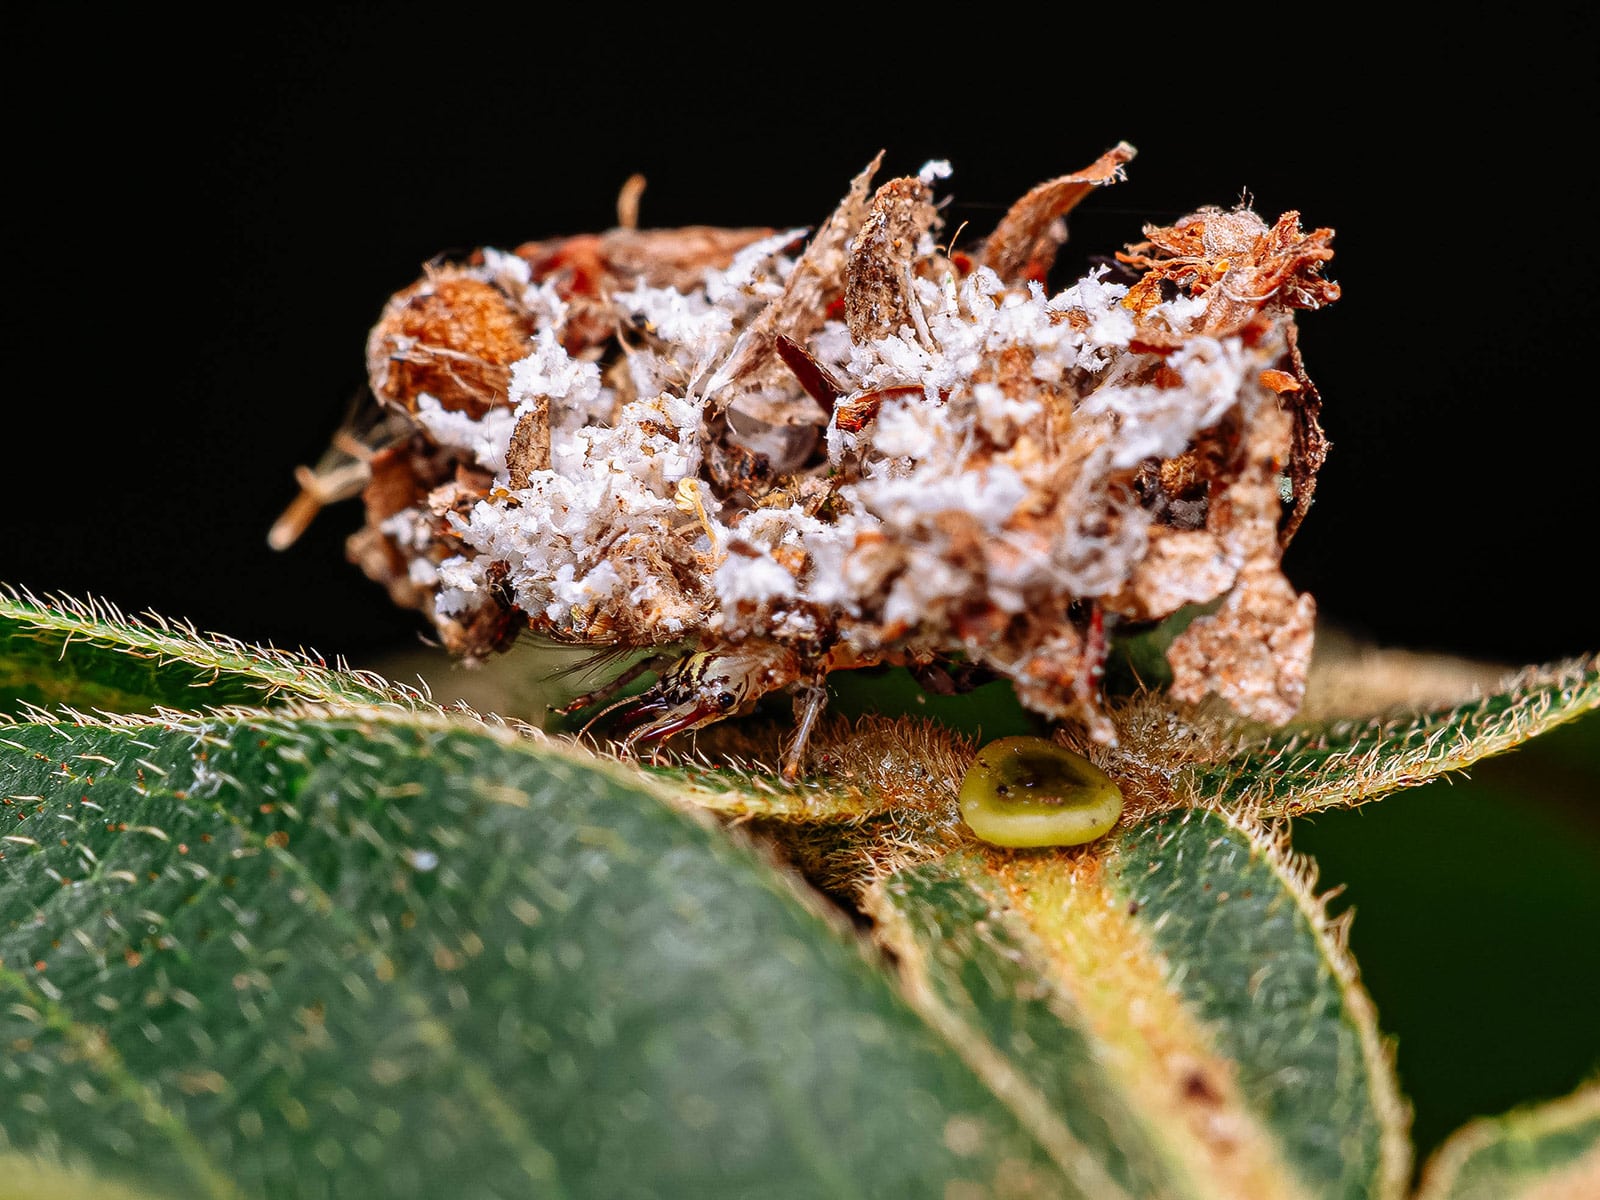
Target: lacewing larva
[762, 456]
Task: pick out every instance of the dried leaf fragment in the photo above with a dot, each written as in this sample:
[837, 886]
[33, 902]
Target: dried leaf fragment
[878, 297]
[1024, 244]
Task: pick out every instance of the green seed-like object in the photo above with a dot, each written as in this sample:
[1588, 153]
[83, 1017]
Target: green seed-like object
[1025, 791]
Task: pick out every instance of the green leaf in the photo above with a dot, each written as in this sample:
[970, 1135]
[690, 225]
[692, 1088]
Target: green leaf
[405, 955]
[87, 655]
[1344, 762]
[1467, 893]
[361, 944]
[25, 1178]
[1171, 1005]
[1541, 1152]
[903, 772]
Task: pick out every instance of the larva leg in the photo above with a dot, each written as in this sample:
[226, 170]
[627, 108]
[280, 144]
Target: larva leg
[653, 662]
[809, 702]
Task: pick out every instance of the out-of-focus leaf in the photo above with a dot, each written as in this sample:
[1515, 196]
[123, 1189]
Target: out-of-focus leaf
[394, 954]
[1467, 893]
[1541, 1152]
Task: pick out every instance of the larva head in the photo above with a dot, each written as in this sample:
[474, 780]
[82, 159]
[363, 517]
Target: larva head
[705, 687]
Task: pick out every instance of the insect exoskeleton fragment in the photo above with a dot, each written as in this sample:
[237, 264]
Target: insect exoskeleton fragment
[1028, 792]
[795, 452]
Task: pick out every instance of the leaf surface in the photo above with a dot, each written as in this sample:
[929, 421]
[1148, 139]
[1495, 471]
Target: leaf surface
[1344, 762]
[1171, 1001]
[1540, 1152]
[397, 954]
[87, 655]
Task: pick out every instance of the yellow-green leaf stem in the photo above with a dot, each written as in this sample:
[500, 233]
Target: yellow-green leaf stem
[1173, 997]
[904, 770]
[27, 1177]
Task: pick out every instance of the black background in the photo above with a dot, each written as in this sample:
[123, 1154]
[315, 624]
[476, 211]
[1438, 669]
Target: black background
[208, 219]
[205, 220]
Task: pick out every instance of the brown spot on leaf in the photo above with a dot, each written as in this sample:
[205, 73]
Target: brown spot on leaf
[1199, 1088]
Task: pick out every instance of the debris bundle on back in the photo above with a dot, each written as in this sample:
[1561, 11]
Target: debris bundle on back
[799, 452]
